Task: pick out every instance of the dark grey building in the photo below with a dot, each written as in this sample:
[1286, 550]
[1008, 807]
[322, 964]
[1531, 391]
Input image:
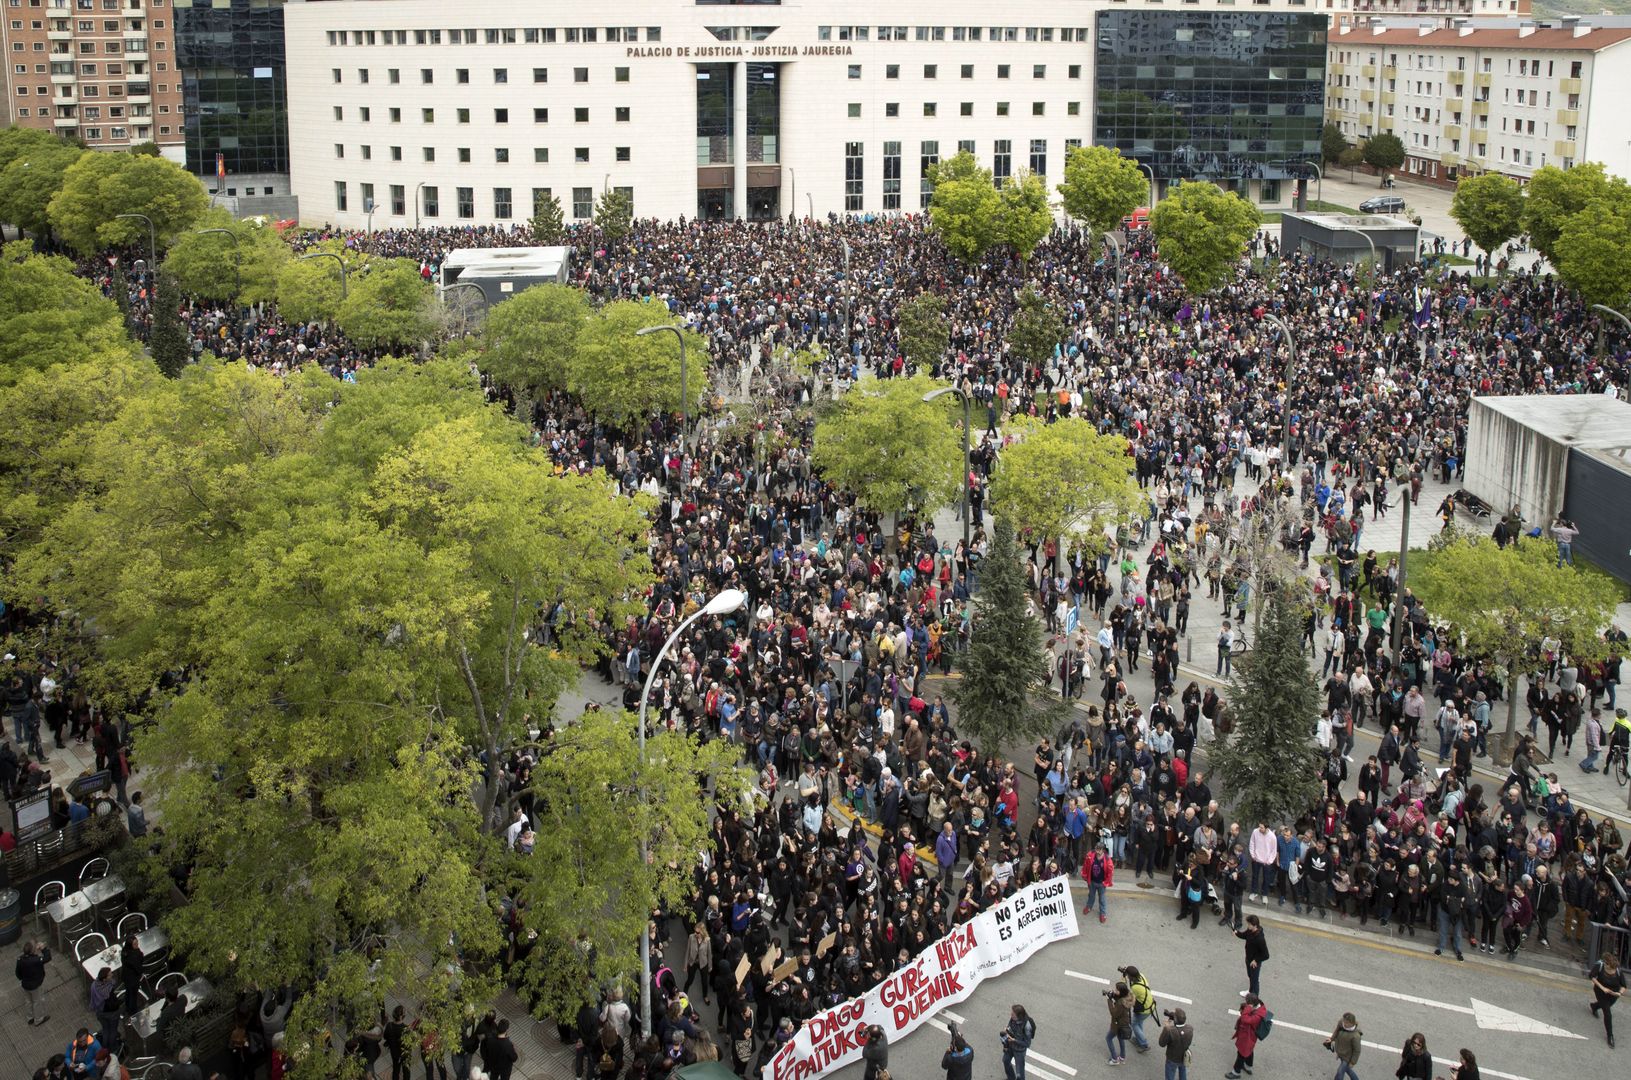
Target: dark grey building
[231, 57]
[1233, 97]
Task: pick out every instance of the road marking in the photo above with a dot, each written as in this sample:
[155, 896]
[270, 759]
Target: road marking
[1046, 1060]
[1107, 982]
[953, 1017]
[1032, 1055]
[1489, 1017]
[1323, 1034]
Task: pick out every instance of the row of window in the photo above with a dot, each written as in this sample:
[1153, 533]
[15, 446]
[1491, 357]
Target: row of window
[1527, 66]
[501, 76]
[117, 90]
[82, 5]
[931, 71]
[501, 154]
[87, 26]
[958, 33]
[429, 198]
[531, 35]
[1002, 161]
[66, 67]
[88, 48]
[580, 114]
[891, 109]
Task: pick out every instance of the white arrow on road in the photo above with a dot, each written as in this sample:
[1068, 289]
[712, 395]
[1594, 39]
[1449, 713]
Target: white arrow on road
[1110, 982]
[1488, 1017]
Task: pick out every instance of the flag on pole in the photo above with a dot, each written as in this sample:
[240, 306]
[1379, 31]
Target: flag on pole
[1184, 312]
[1424, 314]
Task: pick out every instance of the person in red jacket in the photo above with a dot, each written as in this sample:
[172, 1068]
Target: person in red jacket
[1251, 1014]
[1100, 873]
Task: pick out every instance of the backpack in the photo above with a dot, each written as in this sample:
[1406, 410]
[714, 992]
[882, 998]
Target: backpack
[1265, 1025]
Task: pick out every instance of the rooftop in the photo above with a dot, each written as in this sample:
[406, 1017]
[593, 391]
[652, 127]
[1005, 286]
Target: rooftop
[1585, 421]
[1582, 38]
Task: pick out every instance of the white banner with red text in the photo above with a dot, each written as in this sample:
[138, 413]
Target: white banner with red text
[989, 944]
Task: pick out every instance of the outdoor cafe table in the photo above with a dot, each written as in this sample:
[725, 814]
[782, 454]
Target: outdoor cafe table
[143, 1024]
[152, 940]
[89, 898]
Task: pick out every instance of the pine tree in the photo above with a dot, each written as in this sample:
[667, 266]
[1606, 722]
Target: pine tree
[548, 221]
[1269, 764]
[168, 343]
[1003, 696]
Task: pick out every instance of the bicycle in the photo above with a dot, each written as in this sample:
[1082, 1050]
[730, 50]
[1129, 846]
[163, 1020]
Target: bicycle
[1616, 765]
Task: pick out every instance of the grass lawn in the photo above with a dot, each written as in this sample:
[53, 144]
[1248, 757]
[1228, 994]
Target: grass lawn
[1315, 206]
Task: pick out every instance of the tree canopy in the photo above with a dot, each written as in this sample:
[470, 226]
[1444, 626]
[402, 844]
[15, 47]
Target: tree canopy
[204, 264]
[964, 207]
[1489, 209]
[1023, 216]
[389, 306]
[614, 214]
[1383, 151]
[923, 329]
[31, 177]
[1554, 195]
[1593, 252]
[548, 219]
[1332, 143]
[97, 188]
[1062, 480]
[1101, 187]
[529, 340]
[893, 449]
[622, 377]
[1037, 329]
[51, 315]
[1201, 232]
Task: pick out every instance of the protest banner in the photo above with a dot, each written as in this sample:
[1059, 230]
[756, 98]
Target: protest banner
[994, 941]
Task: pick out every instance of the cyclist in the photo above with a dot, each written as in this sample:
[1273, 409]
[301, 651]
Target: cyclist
[1619, 739]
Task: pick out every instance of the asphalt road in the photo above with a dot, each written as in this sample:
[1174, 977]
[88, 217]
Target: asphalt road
[1521, 1025]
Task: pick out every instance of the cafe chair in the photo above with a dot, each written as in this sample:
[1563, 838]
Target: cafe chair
[79, 923]
[167, 980]
[95, 870]
[44, 897]
[134, 922]
[148, 1068]
[88, 946]
[154, 962]
[111, 911]
[49, 849]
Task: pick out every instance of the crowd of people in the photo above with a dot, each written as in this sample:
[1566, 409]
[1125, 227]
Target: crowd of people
[1386, 365]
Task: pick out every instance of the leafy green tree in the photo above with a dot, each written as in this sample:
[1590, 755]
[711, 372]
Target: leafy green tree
[548, 220]
[923, 329]
[1037, 329]
[1593, 252]
[965, 206]
[169, 342]
[1101, 187]
[31, 180]
[1201, 232]
[1555, 195]
[1269, 763]
[1489, 209]
[1383, 152]
[529, 339]
[389, 306]
[1349, 158]
[1063, 481]
[146, 149]
[623, 378]
[1332, 143]
[308, 290]
[51, 315]
[97, 188]
[614, 214]
[19, 142]
[1505, 600]
[1003, 696]
[893, 450]
[203, 264]
[1023, 216]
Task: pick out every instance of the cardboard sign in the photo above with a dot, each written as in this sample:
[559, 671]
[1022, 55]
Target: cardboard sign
[742, 970]
[826, 943]
[783, 970]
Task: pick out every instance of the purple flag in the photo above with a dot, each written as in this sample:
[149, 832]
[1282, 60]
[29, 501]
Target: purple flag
[1425, 314]
[1184, 312]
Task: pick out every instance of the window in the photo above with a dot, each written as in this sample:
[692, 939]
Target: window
[891, 109]
[580, 115]
[339, 112]
[427, 115]
[1002, 161]
[1002, 71]
[891, 176]
[393, 75]
[540, 75]
[620, 74]
[464, 155]
[399, 200]
[540, 116]
[855, 71]
[501, 155]
[1073, 108]
[622, 153]
[1075, 71]
[855, 108]
[854, 176]
[580, 75]
[930, 70]
[339, 148]
[366, 113]
[1002, 108]
[540, 154]
[965, 146]
[501, 116]
[340, 196]
[367, 152]
[1039, 71]
[501, 75]
[461, 76]
[968, 71]
[1039, 157]
[338, 76]
[396, 116]
[429, 152]
[362, 75]
[580, 154]
[929, 108]
[583, 202]
[928, 158]
[427, 76]
[1038, 108]
[966, 109]
[621, 114]
[467, 202]
[501, 202]
[891, 71]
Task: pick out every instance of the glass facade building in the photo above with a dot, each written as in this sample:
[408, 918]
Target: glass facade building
[1226, 96]
[234, 95]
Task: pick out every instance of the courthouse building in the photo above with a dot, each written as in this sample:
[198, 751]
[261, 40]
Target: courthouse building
[408, 111]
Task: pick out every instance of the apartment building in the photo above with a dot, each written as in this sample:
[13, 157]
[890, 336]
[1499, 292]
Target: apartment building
[1444, 12]
[101, 70]
[1507, 98]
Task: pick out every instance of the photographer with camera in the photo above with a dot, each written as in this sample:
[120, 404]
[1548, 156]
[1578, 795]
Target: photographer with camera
[1119, 1002]
[1143, 1004]
[958, 1060]
[1176, 1035]
[875, 1053]
[1016, 1040]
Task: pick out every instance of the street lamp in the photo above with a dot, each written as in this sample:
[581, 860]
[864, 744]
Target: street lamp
[809, 200]
[847, 356]
[152, 242]
[417, 189]
[1151, 171]
[685, 390]
[1375, 261]
[1121, 277]
[793, 191]
[723, 603]
[1612, 313]
[963, 397]
[237, 259]
[1285, 400]
[336, 258]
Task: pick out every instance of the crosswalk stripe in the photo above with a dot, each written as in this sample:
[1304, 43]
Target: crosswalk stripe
[1033, 1055]
[1107, 982]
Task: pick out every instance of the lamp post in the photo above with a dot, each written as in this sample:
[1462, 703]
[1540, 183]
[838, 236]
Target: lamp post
[418, 189]
[1151, 172]
[1121, 278]
[963, 397]
[152, 243]
[336, 258]
[1375, 261]
[1612, 313]
[237, 258]
[723, 603]
[685, 392]
[368, 208]
[793, 192]
[847, 356]
[1403, 478]
[809, 201]
[1285, 402]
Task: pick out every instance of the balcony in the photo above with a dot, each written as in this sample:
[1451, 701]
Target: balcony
[1569, 86]
[1449, 157]
[1565, 148]
[67, 121]
[1390, 71]
[1458, 77]
[63, 79]
[1337, 69]
[1451, 106]
[1368, 70]
[1481, 79]
[1368, 96]
[1568, 117]
[1480, 107]
[1452, 131]
[1389, 97]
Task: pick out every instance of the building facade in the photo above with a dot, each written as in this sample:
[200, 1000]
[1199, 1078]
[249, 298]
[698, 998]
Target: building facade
[1470, 99]
[230, 54]
[750, 110]
[103, 71]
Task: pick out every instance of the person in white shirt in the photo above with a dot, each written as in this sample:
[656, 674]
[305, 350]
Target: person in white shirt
[513, 833]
